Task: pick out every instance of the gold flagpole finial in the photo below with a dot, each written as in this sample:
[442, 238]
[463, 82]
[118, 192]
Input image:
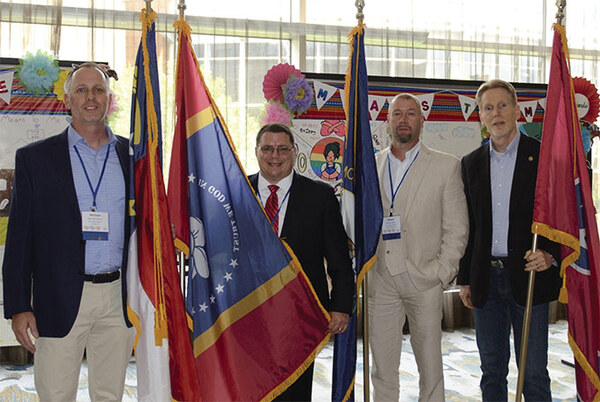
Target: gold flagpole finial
[560, 14]
[181, 7]
[360, 4]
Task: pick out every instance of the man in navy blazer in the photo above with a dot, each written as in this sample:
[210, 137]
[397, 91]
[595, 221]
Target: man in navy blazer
[499, 180]
[62, 276]
[306, 215]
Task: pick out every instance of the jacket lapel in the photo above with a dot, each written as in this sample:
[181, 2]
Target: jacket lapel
[525, 163]
[61, 161]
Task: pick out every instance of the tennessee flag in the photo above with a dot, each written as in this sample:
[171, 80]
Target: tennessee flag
[163, 351]
[257, 324]
[564, 212]
[361, 203]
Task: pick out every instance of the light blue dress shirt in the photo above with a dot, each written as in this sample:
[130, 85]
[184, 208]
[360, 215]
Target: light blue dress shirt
[502, 168]
[100, 256]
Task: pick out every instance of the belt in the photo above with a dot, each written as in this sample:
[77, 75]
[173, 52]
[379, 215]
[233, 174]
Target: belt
[498, 262]
[103, 278]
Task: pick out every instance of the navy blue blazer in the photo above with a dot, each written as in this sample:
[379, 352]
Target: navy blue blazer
[314, 230]
[475, 265]
[45, 252]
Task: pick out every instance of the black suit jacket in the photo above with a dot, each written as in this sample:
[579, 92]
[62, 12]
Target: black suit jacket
[475, 265]
[314, 230]
[44, 245]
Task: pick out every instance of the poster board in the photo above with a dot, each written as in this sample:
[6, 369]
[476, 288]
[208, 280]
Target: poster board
[24, 118]
[451, 117]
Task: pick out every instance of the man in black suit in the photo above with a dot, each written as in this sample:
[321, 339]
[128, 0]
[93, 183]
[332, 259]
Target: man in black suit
[306, 215]
[66, 248]
[499, 180]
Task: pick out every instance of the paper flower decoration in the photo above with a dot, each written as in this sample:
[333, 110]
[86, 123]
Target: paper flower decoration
[298, 95]
[589, 93]
[275, 112]
[287, 94]
[275, 78]
[59, 84]
[38, 72]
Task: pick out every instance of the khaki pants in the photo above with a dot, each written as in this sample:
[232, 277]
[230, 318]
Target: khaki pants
[392, 299]
[100, 330]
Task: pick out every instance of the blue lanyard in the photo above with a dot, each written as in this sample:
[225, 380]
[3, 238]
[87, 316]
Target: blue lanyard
[94, 192]
[394, 193]
[280, 204]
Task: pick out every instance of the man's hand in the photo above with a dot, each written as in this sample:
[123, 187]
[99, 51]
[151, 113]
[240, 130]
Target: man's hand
[538, 261]
[339, 322]
[465, 295]
[22, 325]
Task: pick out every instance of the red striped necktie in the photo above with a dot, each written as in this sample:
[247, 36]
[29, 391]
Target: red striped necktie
[272, 206]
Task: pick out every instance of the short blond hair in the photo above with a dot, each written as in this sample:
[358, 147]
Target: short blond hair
[496, 83]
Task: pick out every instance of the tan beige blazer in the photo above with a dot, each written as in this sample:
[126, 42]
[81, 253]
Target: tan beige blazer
[433, 210]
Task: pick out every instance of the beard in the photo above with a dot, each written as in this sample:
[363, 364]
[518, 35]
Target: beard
[404, 138]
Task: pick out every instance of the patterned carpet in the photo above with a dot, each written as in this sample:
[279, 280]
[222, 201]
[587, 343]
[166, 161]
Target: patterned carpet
[461, 372]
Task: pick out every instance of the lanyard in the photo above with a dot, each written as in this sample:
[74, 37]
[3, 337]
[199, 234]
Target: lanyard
[401, 180]
[280, 205]
[94, 192]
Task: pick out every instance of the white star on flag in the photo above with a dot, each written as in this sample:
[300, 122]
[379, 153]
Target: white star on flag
[191, 178]
[234, 263]
[227, 276]
[220, 288]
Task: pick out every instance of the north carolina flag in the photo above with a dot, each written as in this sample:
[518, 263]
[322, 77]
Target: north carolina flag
[163, 351]
[361, 203]
[564, 213]
[257, 324]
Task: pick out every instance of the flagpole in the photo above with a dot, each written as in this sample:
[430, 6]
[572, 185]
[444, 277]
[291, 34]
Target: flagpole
[528, 305]
[181, 7]
[526, 324]
[181, 265]
[148, 6]
[360, 4]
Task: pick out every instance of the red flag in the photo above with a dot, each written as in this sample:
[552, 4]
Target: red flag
[257, 324]
[163, 350]
[564, 213]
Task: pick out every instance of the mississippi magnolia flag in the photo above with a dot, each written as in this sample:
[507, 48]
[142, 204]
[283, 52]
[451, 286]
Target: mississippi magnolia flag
[163, 351]
[361, 203]
[256, 321]
[564, 213]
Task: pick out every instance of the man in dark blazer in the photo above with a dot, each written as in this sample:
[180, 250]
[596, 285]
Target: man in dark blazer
[499, 180]
[62, 278]
[306, 215]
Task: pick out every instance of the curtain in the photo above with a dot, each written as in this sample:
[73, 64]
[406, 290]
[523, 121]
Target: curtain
[237, 41]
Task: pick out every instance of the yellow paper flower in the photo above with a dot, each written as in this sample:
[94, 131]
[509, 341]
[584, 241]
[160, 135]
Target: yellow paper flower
[59, 84]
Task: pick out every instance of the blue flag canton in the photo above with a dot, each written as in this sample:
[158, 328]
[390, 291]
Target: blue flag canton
[582, 265]
[233, 249]
[139, 102]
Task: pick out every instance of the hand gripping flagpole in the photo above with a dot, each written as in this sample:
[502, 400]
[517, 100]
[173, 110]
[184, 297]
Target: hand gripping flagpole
[360, 4]
[528, 305]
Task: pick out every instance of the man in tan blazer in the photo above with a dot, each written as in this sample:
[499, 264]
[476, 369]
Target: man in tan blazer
[424, 235]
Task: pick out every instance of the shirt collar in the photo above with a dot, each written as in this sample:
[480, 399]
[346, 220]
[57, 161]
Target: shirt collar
[73, 137]
[408, 156]
[285, 183]
[511, 149]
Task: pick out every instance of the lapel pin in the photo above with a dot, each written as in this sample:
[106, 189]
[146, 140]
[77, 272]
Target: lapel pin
[530, 159]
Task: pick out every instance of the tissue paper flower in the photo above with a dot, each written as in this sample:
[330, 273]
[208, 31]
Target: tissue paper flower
[298, 95]
[59, 84]
[275, 112]
[38, 72]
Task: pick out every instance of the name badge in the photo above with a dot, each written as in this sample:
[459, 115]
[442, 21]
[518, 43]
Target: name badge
[94, 225]
[391, 228]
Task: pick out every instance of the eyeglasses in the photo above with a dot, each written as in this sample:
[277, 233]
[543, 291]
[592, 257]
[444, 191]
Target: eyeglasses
[282, 150]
